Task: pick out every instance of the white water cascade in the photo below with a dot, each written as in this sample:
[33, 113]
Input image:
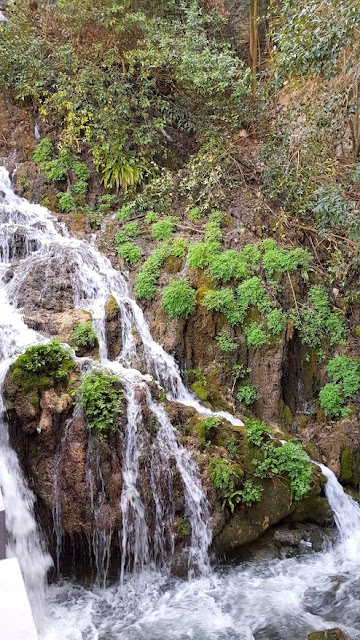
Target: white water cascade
[268, 600]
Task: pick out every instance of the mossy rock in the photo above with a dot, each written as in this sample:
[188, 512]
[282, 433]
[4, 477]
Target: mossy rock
[286, 416]
[349, 470]
[328, 634]
[357, 331]
[172, 264]
[200, 390]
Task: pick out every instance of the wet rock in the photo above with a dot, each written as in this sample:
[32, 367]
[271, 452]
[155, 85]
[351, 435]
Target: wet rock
[113, 328]
[47, 286]
[329, 634]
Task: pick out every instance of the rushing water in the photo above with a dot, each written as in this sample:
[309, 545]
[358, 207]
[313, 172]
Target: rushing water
[269, 600]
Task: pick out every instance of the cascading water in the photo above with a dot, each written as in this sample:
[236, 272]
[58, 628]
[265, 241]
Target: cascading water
[270, 600]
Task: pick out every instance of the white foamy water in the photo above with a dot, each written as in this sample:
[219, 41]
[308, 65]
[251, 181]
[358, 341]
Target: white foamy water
[271, 600]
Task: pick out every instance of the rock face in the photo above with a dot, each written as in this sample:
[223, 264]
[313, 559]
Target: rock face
[78, 479]
[113, 328]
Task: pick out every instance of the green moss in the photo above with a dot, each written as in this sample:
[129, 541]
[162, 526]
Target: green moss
[357, 331]
[349, 471]
[285, 413]
[42, 366]
[200, 389]
[111, 306]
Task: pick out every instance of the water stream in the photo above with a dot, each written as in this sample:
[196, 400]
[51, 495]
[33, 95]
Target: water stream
[269, 600]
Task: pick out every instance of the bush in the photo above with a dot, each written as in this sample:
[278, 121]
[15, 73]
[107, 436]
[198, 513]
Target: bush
[84, 335]
[225, 341]
[179, 298]
[223, 300]
[130, 252]
[255, 335]
[251, 292]
[43, 366]
[290, 459]
[100, 396]
[248, 394]
[281, 261]
[44, 151]
[332, 400]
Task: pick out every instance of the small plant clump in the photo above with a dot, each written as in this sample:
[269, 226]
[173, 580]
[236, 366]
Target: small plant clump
[290, 459]
[223, 473]
[43, 366]
[248, 394]
[225, 341]
[84, 335]
[179, 298]
[345, 373]
[248, 494]
[130, 252]
[101, 397]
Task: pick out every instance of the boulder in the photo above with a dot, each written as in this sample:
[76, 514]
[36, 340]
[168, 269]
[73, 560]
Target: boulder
[329, 634]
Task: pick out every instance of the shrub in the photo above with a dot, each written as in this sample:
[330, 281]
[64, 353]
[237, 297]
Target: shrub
[179, 298]
[179, 247]
[130, 252]
[290, 459]
[247, 394]
[84, 335]
[256, 431]
[130, 230]
[228, 265]
[255, 335]
[43, 366]
[225, 341]
[223, 473]
[251, 254]
[223, 300]
[100, 396]
[163, 229]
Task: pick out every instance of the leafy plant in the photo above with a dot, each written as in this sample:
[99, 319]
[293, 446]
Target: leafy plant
[255, 335]
[179, 298]
[228, 265]
[163, 229]
[43, 366]
[290, 459]
[345, 373]
[276, 321]
[317, 322]
[84, 335]
[223, 473]
[248, 494]
[66, 201]
[130, 252]
[101, 397]
[247, 393]
[225, 341]
[145, 284]
[256, 431]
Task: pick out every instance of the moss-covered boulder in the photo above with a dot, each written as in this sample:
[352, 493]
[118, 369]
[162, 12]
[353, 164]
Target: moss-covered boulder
[329, 634]
[113, 332]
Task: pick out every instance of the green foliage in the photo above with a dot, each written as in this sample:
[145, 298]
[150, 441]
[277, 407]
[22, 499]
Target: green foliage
[290, 459]
[276, 321]
[151, 217]
[84, 335]
[66, 201]
[278, 261]
[332, 400]
[100, 396]
[345, 373]
[232, 447]
[130, 252]
[43, 366]
[248, 494]
[179, 247]
[251, 292]
[201, 254]
[256, 431]
[223, 473]
[179, 298]
[145, 284]
[255, 335]
[130, 230]
[183, 528]
[228, 265]
[316, 322]
[225, 341]
[44, 151]
[223, 300]
[213, 227]
[248, 393]
[163, 229]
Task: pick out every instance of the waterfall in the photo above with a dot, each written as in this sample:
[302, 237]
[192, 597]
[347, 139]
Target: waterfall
[282, 598]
